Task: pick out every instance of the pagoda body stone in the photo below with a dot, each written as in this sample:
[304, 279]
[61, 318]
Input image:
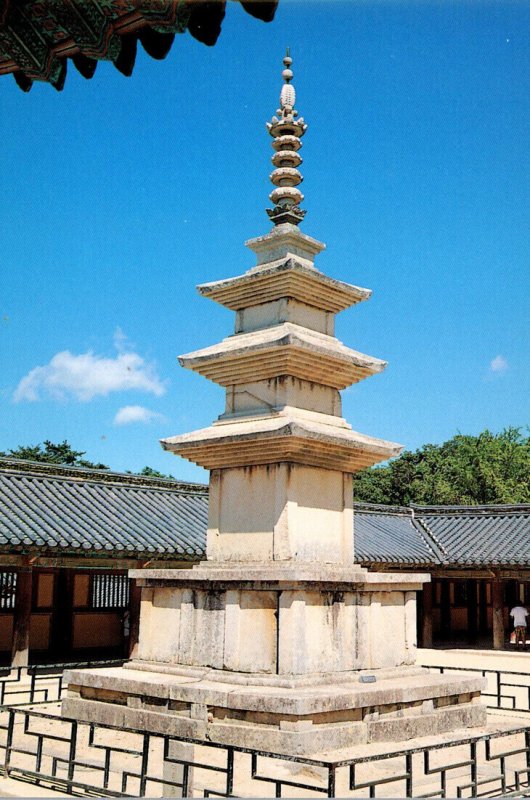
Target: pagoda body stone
[279, 640]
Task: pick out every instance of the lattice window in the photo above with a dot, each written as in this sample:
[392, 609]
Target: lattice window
[8, 588]
[109, 591]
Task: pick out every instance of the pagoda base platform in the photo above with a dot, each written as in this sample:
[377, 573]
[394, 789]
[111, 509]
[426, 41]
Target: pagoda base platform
[311, 715]
[291, 658]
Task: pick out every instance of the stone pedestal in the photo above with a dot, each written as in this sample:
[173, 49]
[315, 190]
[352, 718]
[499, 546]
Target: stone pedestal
[293, 659]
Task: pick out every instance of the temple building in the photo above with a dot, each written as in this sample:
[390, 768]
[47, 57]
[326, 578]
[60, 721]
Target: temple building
[478, 558]
[69, 535]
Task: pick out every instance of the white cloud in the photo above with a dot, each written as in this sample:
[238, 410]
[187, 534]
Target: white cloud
[128, 415]
[498, 365]
[89, 375]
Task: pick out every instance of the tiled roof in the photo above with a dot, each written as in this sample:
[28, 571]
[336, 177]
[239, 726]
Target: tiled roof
[55, 509]
[390, 537]
[37, 39]
[443, 535]
[92, 511]
[481, 535]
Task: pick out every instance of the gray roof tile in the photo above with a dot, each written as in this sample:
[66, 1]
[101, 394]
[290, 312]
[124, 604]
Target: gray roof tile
[443, 535]
[481, 536]
[382, 537]
[57, 509]
[83, 510]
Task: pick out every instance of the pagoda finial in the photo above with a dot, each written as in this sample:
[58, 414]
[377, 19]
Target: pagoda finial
[286, 131]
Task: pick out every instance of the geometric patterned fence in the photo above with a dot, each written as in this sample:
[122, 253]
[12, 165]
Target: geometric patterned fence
[86, 759]
[40, 684]
[506, 690]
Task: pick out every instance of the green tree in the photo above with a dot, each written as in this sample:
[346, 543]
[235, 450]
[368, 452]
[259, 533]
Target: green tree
[149, 472]
[51, 453]
[466, 470]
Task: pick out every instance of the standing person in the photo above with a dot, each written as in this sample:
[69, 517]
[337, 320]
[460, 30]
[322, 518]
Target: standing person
[519, 615]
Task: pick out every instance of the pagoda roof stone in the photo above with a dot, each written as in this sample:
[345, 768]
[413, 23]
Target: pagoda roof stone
[285, 349]
[287, 277]
[286, 437]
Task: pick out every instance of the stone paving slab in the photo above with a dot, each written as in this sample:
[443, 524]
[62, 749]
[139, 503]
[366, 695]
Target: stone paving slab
[510, 660]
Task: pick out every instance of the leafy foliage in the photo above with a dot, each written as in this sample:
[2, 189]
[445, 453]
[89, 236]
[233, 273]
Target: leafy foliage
[466, 470]
[50, 453]
[149, 472]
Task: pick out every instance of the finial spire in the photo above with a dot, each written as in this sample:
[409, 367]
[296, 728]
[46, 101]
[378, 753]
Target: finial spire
[286, 131]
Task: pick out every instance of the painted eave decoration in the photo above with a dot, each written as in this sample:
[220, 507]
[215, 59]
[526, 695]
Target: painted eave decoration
[39, 37]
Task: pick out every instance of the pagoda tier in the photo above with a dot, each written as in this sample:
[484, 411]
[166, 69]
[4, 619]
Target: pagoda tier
[284, 349]
[285, 269]
[288, 277]
[288, 436]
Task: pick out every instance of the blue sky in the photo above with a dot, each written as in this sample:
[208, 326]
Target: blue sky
[121, 194]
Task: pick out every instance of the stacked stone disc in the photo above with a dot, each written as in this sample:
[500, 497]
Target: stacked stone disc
[287, 131]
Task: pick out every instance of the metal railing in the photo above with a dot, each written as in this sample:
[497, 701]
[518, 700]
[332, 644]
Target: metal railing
[42, 683]
[88, 758]
[506, 690]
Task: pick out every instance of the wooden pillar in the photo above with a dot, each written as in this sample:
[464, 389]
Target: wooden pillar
[483, 607]
[62, 620]
[445, 608]
[472, 621]
[135, 596]
[426, 631]
[498, 614]
[22, 618]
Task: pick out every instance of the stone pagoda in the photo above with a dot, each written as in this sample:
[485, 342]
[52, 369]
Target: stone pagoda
[279, 640]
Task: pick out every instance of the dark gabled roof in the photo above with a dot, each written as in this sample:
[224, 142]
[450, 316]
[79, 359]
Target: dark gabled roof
[479, 535]
[390, 537]
[449, 536]
[70, 510]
